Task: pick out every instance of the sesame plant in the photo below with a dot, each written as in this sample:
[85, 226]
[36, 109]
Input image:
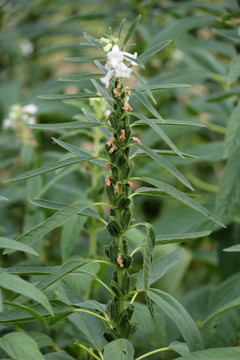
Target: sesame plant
[104, 320]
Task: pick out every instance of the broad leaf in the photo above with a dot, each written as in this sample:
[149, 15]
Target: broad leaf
[231, 142]
[20, 346]
[120, 349]
[15, 245]
[20, 286]
[29, 310]
[160, 266]
[60, 355]
[222, 353]
[179, 347]
[229, 187]
[180, 317]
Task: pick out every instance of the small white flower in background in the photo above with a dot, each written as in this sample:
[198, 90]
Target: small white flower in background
[18, 115]
[26, 47]
[115, 65]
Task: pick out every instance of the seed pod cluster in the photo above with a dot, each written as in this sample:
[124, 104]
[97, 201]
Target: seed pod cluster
[118, 189]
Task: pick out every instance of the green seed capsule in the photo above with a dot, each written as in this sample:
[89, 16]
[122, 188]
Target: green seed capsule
[127, 261]
[110, 193]
[106, 250]
[130, 310]
[125, 247]
[127, 133]
[115, 173]
[113, 120]
[125, 218]
[112, 212]
[126, 190]
[125, 172]
[112, 230]
[126, 283]
[110, 335]
[113, 251]
[123, 317]
[115, 287]
[134, 327]
[115, 276]
[126, 330]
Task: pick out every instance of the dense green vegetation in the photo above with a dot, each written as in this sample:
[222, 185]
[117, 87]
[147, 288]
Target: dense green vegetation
[120, 183]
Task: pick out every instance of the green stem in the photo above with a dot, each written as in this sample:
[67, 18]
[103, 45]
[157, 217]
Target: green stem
[152, 352]
[93, 240]
[94, 314]
[88, 350]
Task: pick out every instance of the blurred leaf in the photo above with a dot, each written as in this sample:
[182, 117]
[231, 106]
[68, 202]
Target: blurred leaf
[120, 349]
[234, 248]
[20, 286]
[231, 142]
[131, 30]
[15, 245]
[234, 71]
[62, 126]
[69, 96]
[179, 347]
[80, 77]
[20, 346]
[215, 354]
[149, 53]
[180, 317]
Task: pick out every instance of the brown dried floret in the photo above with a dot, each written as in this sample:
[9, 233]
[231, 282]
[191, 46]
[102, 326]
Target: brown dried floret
[122, 136]
[119, 260]
[126, 107]
[116, 190]
[110, 141]
[113, 148]
[108, 180]
[136, 140]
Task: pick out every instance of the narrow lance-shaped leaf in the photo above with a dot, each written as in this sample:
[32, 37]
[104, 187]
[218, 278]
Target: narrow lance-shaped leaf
[80, 77]
[131, 30]
[183, 198]
[180, 317]
[29, 310]
[166, 165]
[73, 149]
[91, 118]
[158, 129]
[149, 53]
[69, 96]
[145, 86]
[51, 223]
[85, 58]
[15, 245]
[61, 126]
[50, 167]
[23, 287]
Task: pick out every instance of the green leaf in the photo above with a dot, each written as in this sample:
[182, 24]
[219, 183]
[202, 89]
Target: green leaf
[221, 353]
[131, 30]
[3, 198]
[145, 86]
[167, 122]
[51, 223]
[69, 96]
[80, 77]
[91, 118]
[15, 245]
[59, 206]
[60, 355]
[119, 349]
[234, 71]
[29, 310]
[234, 248]
[231, 142]
[179, 347]
[149, 53]
[70, 233]
[229, 187]
[173, 238]
[180, 317]
[183, 198]
[166, 165]
[20, 346]
[62, 126]
[158, 130]
[41, 339]
[73, 149]
[20, 286]
[164, 86]
[51, 167]
[88, 329]
[85, 58]
[160, 266]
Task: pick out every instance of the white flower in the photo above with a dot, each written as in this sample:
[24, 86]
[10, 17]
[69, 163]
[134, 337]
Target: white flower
[32, 120]
[130, 56]
[107, 113]
[8, 124]
[106, 79]
[122, 70]
[26, 47]
[115, 56]
[30, 109]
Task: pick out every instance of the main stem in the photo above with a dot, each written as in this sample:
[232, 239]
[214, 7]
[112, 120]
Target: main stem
[117, 188]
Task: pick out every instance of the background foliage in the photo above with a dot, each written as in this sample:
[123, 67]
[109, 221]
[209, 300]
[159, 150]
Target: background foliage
[35, 38]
